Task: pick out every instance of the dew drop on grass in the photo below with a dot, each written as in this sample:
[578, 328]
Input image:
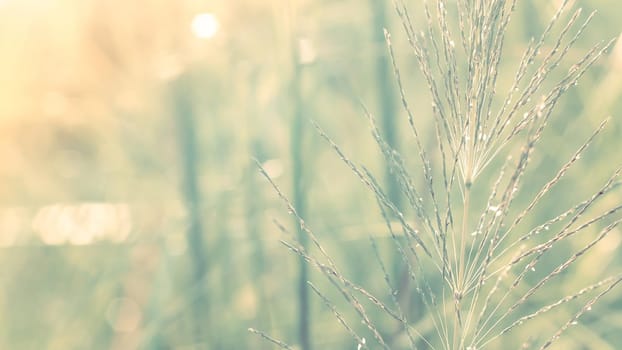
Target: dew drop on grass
[496, 210]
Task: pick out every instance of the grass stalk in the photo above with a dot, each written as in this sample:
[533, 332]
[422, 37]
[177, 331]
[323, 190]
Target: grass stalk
[475, 276]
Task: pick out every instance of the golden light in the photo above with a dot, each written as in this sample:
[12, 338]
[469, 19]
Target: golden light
[82, 223]
[205, 25]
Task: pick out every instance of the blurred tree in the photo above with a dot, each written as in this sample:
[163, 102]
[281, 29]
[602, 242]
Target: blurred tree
[385, 94]
[183, 95]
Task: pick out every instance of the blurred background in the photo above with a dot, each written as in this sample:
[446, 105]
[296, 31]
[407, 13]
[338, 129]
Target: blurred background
[132, 213]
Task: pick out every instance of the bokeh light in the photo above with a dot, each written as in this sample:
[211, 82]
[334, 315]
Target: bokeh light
[205, 25]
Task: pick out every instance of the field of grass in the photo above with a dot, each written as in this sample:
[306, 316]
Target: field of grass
[440, 174]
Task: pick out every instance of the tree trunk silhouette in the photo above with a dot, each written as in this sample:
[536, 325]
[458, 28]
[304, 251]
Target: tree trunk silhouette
[386, 95]
[189, 151]
[300, 197]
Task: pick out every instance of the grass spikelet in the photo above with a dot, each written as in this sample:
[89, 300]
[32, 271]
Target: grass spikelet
[477, 260]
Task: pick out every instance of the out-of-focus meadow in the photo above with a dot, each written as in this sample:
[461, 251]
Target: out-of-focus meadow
[132, 213]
